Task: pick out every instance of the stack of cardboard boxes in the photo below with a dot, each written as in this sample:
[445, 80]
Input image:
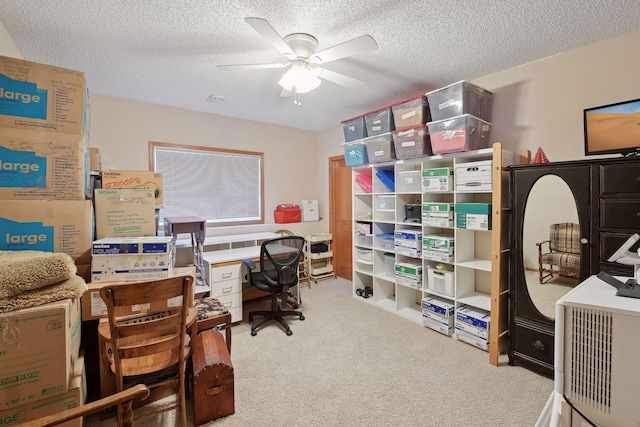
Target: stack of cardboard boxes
[45, 206]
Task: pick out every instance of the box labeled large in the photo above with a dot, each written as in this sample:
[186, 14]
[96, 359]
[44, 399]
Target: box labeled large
[48, 225]
[469, 338]
[437, 179]
[407, 242]
[43, 165]
[473, 176]
[37, 351]
[33, 410]
[125, 212]
[42, 97]
[285, 214]
[134, 179]
[473, 216]
[131, 258]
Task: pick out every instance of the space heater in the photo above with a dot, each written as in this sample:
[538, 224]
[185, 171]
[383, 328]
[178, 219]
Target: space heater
[597, 359]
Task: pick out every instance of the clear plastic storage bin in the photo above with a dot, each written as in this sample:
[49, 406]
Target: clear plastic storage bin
[409, 182]
[354, 129]
[355, 153]
[460, 98]
[380, 148]
[411, 143]
[412, 112]
[462, 133]
[379, 121]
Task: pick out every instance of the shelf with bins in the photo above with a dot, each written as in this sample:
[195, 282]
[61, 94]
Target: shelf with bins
[467, 276]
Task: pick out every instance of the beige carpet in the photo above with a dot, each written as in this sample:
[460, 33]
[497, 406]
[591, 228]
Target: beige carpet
[353, 364]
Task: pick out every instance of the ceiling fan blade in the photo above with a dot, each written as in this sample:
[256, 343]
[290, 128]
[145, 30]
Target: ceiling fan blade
[339, 79]
[266, 30]
[285, 93]
[250, 66]
[355, 46]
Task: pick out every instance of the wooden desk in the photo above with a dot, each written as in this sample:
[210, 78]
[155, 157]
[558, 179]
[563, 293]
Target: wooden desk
[225, 275]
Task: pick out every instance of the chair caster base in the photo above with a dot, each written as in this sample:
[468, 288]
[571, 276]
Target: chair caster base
[289, 332]
[301, 317]
[254, 333]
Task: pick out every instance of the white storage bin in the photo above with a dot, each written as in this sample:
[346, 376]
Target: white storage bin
[409, 182]
[365, 254]
[364, 240]
[386, 202]
[440, 281]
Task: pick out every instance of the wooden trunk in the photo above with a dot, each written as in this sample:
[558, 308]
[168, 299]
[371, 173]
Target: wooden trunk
[213, 395]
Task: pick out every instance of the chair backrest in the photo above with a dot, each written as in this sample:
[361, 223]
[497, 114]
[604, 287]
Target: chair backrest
[279, 259]
[565, 237]
[154, 334]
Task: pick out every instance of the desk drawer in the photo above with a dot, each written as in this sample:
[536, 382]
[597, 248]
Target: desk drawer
[226, 272]
[226, 287]
[233, 302]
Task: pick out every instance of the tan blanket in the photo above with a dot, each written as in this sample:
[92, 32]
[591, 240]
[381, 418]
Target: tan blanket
[70, 288]
[22, 271]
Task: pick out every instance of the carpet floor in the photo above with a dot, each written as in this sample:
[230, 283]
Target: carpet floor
[350, 363]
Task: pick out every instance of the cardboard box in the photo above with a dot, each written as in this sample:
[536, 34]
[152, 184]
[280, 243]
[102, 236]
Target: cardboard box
[439, 306]
[37, 351]
[408, 274]
[124, 212]
[474, 176]
[131, 258]
[475, 340]
[437, 179]
[473, 216]
[73, 398]
[95, 160]
[93, 307]
[473, 320]
[43, 165]
[444, 325]
[48, 225]
[134, 179]
[42, 97]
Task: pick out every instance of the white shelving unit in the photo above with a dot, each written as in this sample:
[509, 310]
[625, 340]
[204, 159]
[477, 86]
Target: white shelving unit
[319, 264]
[476, 263]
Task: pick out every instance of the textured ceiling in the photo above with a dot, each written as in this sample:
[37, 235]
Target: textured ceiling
[166, 52]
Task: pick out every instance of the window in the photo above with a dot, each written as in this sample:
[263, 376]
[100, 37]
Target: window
[222, 186]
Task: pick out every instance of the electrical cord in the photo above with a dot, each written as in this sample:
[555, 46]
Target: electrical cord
[566, 399]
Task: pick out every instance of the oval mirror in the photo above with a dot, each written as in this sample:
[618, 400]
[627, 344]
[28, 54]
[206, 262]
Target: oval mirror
[550, 202]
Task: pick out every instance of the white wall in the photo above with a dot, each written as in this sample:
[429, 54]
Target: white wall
[121, 130]
[7, 46]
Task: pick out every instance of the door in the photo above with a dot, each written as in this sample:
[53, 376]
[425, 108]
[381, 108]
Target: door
[340, 222]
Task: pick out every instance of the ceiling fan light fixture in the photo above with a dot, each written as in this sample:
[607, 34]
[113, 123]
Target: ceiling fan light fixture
[300, 78]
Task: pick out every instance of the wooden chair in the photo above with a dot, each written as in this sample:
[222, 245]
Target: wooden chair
[123, 398]
[563, 252]
[151, 350]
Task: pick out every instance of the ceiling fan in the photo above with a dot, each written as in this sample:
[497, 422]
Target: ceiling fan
[300, 50]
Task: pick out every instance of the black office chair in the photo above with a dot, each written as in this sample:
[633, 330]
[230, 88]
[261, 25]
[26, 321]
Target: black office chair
[279, 260]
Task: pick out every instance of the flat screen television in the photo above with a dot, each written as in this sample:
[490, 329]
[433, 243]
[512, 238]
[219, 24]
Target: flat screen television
[612, 129]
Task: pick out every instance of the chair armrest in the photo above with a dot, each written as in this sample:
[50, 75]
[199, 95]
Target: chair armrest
[125, 396]
[249, 263]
